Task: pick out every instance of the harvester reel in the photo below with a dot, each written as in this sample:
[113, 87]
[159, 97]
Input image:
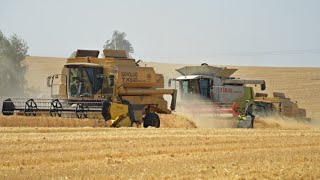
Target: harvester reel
[215, 114]
[30, 108]
[56, 108]
[82, 111]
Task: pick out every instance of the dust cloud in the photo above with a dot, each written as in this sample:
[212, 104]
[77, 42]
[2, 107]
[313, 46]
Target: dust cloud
[281, 122]
[203, 113]
[175, 121]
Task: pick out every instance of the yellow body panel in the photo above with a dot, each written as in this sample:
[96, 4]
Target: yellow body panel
[119, 115]
[117, 110]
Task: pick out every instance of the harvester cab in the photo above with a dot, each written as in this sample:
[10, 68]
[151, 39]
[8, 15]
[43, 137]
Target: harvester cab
[79, 79]
[113, 87]
[215, 86]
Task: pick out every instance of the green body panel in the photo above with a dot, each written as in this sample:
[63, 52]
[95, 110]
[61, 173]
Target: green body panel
[248, 95]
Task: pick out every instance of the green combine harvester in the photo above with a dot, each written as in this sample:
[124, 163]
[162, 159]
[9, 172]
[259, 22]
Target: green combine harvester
[219, 93]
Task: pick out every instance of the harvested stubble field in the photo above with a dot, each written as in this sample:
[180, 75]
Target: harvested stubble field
[159, 153]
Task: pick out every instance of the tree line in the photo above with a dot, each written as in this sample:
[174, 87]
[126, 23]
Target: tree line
[13, 51]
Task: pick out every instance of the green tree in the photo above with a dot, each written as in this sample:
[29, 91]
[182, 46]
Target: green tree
[119, 42]
[13, 51]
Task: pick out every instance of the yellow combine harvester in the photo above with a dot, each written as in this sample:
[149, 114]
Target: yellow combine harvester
[278, 105]
[113, 87]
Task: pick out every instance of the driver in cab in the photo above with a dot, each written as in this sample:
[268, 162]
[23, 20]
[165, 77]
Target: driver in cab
[78, 88]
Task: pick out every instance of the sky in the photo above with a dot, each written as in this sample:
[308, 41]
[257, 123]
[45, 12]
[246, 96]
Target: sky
[224, 32]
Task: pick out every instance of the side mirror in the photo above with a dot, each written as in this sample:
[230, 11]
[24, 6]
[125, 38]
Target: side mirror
[111, 77]
[263, 86]
[49, 81]
[137, 63]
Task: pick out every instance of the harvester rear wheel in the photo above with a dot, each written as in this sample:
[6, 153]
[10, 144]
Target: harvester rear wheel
[151, 119]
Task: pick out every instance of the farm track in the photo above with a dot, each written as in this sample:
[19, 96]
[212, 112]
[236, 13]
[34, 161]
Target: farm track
[159, 153]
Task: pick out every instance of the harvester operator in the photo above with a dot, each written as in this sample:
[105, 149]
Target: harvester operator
[75, 87]
[249, 112]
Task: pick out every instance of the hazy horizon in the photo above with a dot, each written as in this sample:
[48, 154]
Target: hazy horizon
[230, 32]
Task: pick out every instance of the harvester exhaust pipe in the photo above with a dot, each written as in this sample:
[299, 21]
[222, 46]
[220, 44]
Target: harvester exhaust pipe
[242, 81]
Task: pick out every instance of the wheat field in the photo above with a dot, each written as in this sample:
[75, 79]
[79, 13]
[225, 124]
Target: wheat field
[278, 148]
[184, 153]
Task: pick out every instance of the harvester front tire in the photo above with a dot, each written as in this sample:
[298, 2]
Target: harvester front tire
[151, 119]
